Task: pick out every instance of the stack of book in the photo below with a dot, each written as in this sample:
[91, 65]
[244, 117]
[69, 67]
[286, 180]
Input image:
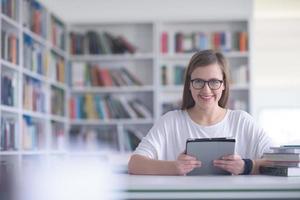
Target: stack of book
[283, 161]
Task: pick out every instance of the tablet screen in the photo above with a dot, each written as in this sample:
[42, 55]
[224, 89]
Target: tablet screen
[208, 149]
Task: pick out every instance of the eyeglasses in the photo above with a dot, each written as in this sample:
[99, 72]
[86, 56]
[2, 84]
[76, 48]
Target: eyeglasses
[213, 84]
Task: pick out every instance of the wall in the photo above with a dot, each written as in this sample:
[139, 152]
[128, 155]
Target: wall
[140, 10]
[275, 53]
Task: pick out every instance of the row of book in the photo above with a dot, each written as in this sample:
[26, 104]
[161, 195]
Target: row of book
[93, 42]
[8, 88]
[9, 46]
[57, 33]
[38, 60]
[9, 134]
[172, 105]
[36, 56]
[34, 96]
[85, 74]
[33, 137]
[57, 67]
[57, 101]
[172, 75]
[58, 136]
[282, 161]
[93, 139]
[107, 107]
[190, 42]
[97, 139]
[239, 75]
[9, 8]
[35, 17]
[237, 104]
[132, 138]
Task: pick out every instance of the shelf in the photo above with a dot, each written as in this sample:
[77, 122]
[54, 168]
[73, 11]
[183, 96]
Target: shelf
[175, 88]
[121, 89]
[9, 153]
[35, 36]
[57, 50]
[33, 152]
[10, 65]
[112, 57]
[239, 87]
[59, 85]
[10, 109]
[58, 118]
[35, 114]
[35, 75]
[10, 21]
[110, 121]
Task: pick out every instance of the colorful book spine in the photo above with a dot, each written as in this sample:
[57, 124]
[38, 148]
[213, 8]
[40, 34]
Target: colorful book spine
[97, 43]
[9, 8]
[9, 46]
[57, 33]
[93, 75]
[57, 67]
[33, 95]
[9, 138]
[36, 56]
[33, 137]
[57, 101]
[186, 42]
[107, 107]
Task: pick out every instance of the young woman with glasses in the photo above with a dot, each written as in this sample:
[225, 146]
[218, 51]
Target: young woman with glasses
[203, 115]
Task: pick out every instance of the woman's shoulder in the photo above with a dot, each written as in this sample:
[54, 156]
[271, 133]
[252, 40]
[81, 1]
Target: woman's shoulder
[174, 114]
[240, 115]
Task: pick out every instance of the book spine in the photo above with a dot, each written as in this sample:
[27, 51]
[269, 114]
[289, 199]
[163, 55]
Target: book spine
[275, 171]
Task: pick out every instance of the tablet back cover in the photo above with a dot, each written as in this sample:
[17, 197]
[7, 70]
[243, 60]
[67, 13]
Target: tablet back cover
[207, 150]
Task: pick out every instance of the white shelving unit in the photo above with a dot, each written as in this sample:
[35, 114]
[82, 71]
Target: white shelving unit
[192, 36]
[140, 63]
[41, 145]
[151, 59]
[145, 63]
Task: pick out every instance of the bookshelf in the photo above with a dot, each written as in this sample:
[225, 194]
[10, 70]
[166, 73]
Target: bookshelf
[34, 88]
[177, 41]
[100, 87]
[159, 62]
[112, 83]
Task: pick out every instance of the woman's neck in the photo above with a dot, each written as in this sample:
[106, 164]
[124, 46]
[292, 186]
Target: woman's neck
[207, 116]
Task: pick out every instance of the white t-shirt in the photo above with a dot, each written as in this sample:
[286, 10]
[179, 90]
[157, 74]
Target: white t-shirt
[167, 138]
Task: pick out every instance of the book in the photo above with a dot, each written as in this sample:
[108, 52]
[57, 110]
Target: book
[284, 163]
[282, 156]
[164, 42]
[279, 171]
[285, 149]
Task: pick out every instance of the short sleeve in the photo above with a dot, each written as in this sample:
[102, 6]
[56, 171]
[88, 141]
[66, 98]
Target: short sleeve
[256, 138]
[154, 143]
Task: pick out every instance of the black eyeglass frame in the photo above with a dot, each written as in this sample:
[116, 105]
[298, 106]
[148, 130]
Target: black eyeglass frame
[208, 82]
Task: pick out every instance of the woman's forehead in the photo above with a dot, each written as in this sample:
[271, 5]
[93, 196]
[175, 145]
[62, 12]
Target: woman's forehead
[209, 71]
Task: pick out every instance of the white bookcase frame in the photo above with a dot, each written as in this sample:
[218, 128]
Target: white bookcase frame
[149, 52]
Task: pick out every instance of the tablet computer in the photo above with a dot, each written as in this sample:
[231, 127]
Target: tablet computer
[208, 149]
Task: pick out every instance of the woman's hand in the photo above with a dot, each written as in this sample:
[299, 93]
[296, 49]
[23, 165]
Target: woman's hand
[185, 163]
[232, 163]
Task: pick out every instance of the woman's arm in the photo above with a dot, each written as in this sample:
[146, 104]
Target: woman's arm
[139, 164]
[257, 163]
[235, 165]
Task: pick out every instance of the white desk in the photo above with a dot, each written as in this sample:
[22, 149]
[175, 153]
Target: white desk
[211, 187]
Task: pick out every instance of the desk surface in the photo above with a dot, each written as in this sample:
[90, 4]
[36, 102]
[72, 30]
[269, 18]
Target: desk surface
[226, 187]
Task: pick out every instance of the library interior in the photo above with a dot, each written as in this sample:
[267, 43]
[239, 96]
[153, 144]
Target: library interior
[84, 81]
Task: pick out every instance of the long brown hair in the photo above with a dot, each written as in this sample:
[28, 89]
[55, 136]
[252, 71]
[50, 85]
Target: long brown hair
[202, 59]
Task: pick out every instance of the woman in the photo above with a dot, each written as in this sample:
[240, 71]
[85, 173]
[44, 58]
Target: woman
[203, 114]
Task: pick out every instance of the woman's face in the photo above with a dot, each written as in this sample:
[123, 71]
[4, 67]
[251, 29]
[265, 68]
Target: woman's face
[206, 97]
